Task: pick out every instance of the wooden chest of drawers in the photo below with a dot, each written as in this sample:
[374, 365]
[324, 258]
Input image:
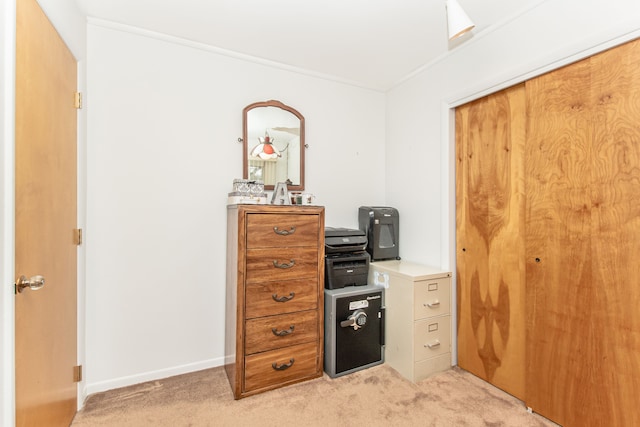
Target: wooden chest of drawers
[275, 296]
[418, 317]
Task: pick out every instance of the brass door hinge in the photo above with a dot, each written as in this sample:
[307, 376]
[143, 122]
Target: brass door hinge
[78, 236]
[78, 100]
[77, 373]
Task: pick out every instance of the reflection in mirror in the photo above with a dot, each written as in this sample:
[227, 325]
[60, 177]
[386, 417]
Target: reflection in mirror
[273, 136]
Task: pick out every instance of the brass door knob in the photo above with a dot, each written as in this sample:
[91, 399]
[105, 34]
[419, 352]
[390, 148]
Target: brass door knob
[34, 283]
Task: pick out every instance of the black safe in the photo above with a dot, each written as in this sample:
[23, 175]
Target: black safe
[354, 329]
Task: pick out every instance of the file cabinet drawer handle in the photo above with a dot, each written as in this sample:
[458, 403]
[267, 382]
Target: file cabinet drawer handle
[434, 304]
[433, 345]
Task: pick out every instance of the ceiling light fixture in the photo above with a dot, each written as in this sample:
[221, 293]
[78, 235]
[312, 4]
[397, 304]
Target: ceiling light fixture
[458, 21]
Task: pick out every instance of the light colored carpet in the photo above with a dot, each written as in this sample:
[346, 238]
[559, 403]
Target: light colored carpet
[377, 396]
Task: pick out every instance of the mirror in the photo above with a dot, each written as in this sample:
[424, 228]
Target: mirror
[273, 145]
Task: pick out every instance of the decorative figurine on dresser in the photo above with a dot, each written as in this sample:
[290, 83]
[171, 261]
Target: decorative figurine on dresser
[274, 296]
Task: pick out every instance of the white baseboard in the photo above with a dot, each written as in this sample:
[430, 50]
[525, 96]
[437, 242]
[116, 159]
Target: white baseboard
[101, 386]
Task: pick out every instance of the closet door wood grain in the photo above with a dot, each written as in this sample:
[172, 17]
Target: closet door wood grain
[490, 137]
[583, 241]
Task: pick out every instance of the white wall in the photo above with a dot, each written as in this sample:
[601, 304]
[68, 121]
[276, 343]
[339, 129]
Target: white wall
[419, 119]
[164, 117]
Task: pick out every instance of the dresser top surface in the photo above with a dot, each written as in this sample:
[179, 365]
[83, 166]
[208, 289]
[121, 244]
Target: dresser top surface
[289, 209]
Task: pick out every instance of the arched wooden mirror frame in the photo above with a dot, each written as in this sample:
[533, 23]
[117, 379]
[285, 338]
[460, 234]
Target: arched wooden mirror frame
[249, 144]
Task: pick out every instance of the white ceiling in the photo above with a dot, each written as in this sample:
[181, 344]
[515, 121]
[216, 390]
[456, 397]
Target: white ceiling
[370, 43]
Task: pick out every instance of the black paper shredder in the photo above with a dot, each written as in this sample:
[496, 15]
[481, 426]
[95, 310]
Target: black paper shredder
[381, 225]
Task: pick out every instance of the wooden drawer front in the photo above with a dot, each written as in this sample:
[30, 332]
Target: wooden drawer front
[269, 333]
[432, 298]
[260, 372]
[270, 298]
[292, 263]
[432, 337]
[278, 230]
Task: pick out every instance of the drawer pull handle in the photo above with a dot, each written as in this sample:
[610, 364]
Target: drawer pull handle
[285, 298]
[284, 232]
[283, 332]
[284, 366]
[434, 345]
[278, 265]
[432, 304]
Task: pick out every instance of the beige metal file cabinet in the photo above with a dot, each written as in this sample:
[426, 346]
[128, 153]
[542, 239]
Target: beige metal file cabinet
[418, 317]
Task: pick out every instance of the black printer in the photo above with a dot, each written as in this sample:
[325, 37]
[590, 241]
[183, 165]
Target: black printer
[346, 259]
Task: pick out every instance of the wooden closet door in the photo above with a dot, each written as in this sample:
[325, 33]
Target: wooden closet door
[583, 241]
[490, 136]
